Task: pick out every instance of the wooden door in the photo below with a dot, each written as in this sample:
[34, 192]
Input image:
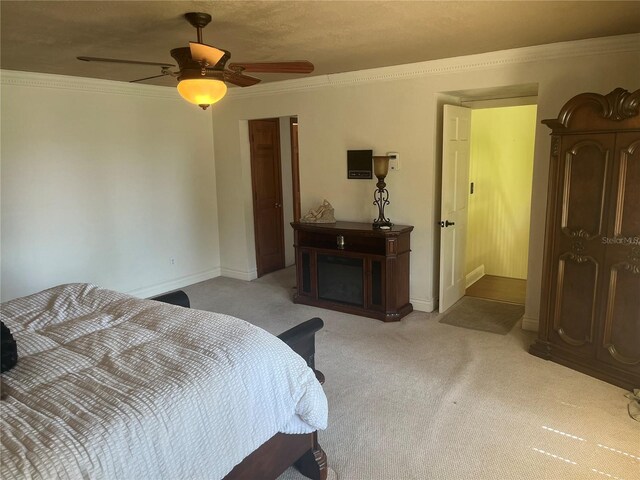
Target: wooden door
[266, 180]
[584, 170]
[453, 212]
[619, 344]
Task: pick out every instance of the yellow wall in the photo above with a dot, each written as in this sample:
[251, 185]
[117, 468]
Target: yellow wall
[502, 144]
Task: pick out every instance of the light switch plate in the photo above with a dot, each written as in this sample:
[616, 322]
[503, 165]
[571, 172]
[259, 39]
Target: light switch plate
[394, 160]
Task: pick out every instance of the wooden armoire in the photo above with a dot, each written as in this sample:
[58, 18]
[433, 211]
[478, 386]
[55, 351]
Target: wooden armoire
[590, 306]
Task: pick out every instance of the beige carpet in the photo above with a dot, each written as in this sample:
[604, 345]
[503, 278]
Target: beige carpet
[481, 314]
[419, 399]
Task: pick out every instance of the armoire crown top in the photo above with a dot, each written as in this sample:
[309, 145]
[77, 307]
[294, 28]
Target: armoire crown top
[592, 111]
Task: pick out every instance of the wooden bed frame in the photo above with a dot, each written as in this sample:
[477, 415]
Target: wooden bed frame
[282, 450]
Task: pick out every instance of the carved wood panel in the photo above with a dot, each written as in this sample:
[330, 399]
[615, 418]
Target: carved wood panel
[627, 203]
[576, 302]
[586, 166]
[621, 336]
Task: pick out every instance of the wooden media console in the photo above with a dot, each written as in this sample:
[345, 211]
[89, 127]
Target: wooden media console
[353, 268]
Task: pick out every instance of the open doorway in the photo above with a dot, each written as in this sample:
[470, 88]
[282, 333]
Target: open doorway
[491, 246]
[499, 202]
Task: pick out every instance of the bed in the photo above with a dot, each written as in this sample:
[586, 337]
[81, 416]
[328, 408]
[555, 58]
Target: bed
[111, 386]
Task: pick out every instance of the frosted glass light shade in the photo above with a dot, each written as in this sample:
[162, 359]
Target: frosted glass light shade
[380, 166]
[202, 91]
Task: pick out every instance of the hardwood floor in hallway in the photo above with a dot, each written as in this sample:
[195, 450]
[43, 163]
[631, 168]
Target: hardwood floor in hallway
[511, 290]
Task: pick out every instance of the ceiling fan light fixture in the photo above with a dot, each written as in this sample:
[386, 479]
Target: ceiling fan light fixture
[202, 91]
[202, 69]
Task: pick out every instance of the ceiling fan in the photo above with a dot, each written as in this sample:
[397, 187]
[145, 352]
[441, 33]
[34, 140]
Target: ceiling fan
[203, 70]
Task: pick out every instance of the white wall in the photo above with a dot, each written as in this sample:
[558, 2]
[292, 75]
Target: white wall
[104, 182]
[396, 109]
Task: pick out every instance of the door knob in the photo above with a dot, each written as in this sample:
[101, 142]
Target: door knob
[446, 223]
[278, 205]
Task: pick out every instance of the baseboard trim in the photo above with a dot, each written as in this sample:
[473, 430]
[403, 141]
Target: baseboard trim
[164, 287]
[530, 324]
[424, 305]
[240, 274]
[475, 275]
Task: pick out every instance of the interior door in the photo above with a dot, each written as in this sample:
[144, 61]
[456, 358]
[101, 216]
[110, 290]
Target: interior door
[453, 212]
[266, 180]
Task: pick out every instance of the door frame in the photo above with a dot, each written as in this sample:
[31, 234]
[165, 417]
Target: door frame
[295, 167]
[452, 98]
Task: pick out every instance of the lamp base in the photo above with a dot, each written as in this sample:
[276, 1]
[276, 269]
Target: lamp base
[382, 225]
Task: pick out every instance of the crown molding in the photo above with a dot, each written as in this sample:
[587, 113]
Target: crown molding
[83, 84]
[481, 61]
[592, 46]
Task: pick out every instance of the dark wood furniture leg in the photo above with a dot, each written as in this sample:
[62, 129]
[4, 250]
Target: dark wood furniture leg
[313, 463]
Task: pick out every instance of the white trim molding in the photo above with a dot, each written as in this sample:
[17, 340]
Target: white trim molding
[239, 274]
[83, 84]
[475, 275]
[591, 46]
[530, 324]
[167, 286]
[428, 305]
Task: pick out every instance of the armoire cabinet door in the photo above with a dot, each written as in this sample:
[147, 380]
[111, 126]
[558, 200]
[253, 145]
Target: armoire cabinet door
[620, 341]
[585, 169]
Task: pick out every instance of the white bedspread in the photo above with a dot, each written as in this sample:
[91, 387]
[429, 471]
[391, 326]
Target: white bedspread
[110, 386]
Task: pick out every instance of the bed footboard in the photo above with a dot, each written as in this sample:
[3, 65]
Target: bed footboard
[174, 298]
[282, 450]
[301, 339]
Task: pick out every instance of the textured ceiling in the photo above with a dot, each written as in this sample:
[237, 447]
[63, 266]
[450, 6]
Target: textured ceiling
[336, 36]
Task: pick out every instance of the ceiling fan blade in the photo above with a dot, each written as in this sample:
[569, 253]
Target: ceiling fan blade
[117, 60]
[240, 79]
[207, 53]
[301, 66]
[148, 78]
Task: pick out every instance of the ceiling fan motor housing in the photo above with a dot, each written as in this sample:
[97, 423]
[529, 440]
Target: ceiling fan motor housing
[190, 69]
[198, 19]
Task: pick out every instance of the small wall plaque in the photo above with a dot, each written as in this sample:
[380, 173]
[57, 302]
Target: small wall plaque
[359, 164]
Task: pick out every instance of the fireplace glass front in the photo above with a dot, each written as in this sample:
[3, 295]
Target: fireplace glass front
[340, 279]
